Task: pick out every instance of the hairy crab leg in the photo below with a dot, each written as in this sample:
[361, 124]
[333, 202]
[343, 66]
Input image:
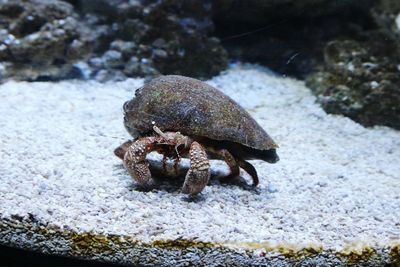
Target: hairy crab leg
[199, 172]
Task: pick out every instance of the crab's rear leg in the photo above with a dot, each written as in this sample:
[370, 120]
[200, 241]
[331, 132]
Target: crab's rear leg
[199, 172]
[232, 164]
[136, 164]
[250, 170]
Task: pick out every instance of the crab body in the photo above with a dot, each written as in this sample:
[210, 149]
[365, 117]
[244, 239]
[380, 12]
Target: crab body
[198, 120]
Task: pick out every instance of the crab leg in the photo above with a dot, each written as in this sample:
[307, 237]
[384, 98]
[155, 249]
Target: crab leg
[232, 164]
[199, 172]
[136, 164]
[249, 169]
[121, 150]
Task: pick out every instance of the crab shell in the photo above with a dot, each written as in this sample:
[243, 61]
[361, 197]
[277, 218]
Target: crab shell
[196, 109]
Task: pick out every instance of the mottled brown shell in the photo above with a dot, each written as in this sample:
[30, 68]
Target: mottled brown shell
[194, 108]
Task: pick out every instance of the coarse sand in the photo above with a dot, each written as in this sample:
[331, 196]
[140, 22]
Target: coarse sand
[337, 183]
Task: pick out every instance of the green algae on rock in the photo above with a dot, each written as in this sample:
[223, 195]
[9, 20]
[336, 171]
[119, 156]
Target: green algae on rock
[30, 234]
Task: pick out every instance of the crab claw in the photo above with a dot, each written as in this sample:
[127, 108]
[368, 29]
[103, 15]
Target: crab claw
[199, 172]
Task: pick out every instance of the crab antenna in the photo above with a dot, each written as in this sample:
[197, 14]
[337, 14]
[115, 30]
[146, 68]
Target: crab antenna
[159, 132]
[105, 135]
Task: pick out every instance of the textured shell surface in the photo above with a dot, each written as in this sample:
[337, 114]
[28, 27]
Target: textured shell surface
[194, 108]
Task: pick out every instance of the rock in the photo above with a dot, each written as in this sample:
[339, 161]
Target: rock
[81, 70]
[183, 45]
[160, 53]
[128, 49]
[41, 39]
[112, 59]
[3, 72]
[361, 80]
[44, 39]
[132, 68]
[360, 76]
[96, 62]
[187, 47]
[136, 67]
[105, 75]
[33, 235]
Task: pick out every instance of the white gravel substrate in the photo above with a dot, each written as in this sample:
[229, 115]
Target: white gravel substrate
[337, 184]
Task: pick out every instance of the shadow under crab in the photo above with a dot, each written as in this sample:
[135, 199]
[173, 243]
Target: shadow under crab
[168, 178]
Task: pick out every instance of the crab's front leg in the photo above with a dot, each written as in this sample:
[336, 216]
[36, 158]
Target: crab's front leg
[199, 172]
[136, 164]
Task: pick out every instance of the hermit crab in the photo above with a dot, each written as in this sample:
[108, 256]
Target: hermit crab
[177, 117]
